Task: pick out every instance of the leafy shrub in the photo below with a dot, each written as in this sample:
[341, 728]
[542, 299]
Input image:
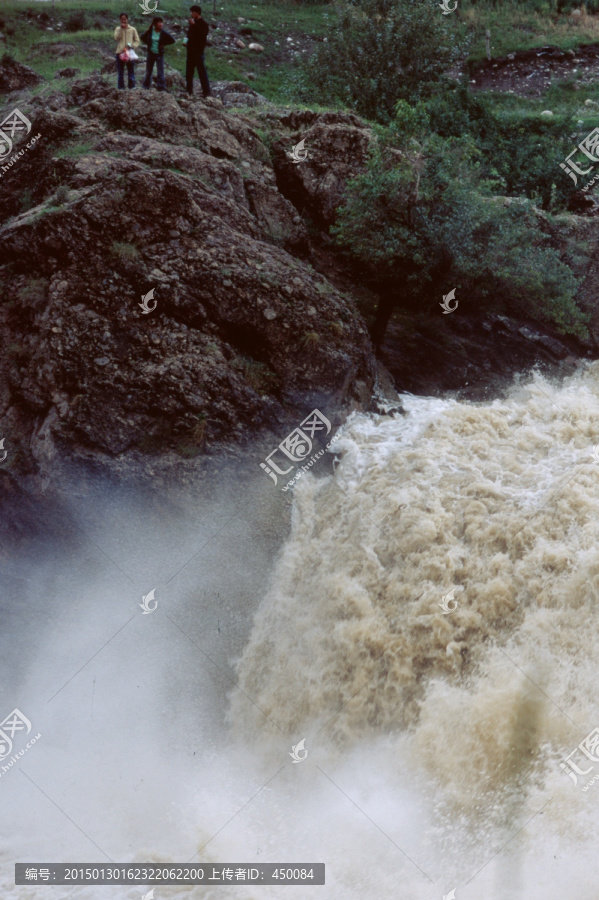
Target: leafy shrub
[77, 21]
[425, 218]
[380, 51]
[522, 155]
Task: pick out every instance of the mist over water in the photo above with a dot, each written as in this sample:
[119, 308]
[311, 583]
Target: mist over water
[433, 740]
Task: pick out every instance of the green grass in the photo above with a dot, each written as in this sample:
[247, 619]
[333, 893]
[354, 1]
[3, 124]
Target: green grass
[521, 25]
[124, 251]
[72, 151]
[514, 25]
[29, 41]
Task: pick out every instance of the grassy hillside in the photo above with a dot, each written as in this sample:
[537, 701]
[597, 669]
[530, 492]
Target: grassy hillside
[288, 31]
[82, 33]
[460, 146]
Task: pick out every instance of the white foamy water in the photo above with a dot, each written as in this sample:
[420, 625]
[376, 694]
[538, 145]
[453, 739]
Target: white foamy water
[433, 740]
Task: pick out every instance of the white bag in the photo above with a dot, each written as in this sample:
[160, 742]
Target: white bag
[133, 56]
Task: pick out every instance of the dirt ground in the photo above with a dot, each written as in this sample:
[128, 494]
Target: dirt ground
[529, 73]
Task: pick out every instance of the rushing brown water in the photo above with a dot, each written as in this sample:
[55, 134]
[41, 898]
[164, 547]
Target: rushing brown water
[351, 649]
[433, 740]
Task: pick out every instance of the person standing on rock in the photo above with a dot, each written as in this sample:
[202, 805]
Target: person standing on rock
[196, 43]
[156, 39]
[126, 38]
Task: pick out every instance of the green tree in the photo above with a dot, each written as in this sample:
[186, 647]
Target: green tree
[380, 51]
[423, 217]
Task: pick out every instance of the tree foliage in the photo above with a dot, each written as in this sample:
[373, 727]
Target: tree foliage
[426, 215]
[380, 51]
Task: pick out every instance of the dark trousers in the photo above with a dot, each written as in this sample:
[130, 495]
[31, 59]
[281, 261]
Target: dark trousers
[196, 61]
[120, 69]
[159, 60]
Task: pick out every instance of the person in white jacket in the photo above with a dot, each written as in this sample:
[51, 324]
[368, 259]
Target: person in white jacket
[126, 38]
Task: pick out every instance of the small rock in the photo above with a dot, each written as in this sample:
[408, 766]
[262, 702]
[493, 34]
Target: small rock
[250, 76]
[270, 314]
[547, 113]
[239, 43]
[102, 361]
[257, 48]
[311, 311]
[241, 20]
[511, 56]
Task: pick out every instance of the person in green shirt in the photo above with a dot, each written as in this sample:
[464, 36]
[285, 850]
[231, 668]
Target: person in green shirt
[156, 39]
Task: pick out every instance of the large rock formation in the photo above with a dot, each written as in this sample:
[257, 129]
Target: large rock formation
[14, 76]
[128, 193]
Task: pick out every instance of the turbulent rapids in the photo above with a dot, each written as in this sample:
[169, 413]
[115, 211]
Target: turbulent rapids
[434, 735]
[501, 502]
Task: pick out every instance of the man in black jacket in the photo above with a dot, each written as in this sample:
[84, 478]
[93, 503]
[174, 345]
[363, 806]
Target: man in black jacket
[156, 39]
[196, 43]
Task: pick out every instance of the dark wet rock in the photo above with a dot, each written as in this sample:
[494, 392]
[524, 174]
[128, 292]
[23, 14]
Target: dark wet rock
[237, 93]
[176, 201]
[337, 146]
[14, 76]
[68, 72]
